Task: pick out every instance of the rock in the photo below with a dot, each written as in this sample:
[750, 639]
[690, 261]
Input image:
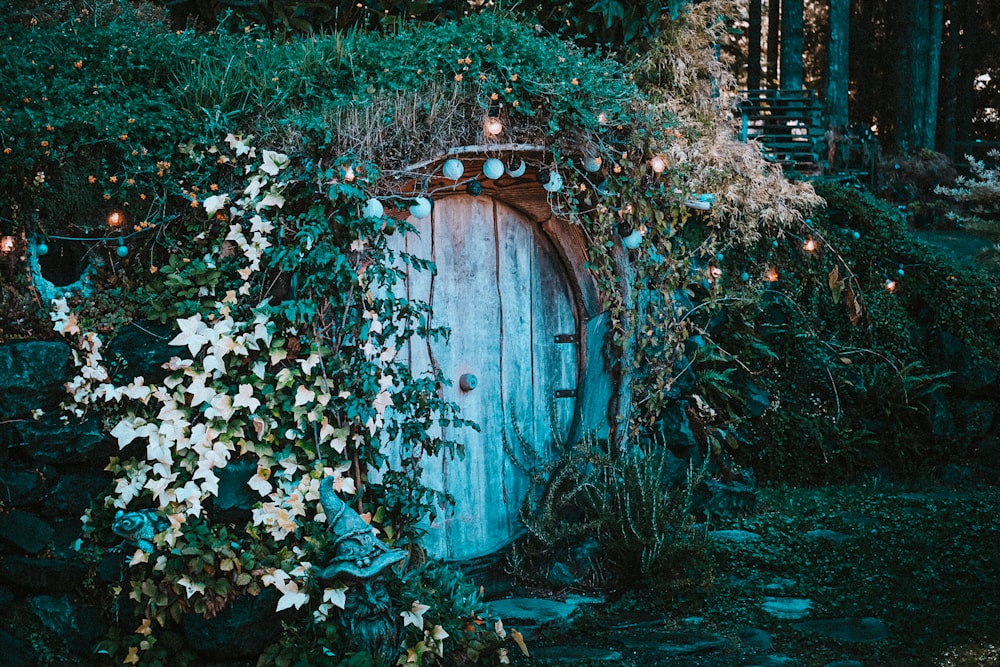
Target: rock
[847, 629]
[779, 584]
[68, 533]
[74, 493]
[787, 608]
[41, 575]
[25, 531]
[531, 612]
[775, 660]
[755, 638]
[673, 644]
[560, 575]
[734, 535]
[828, 535]
[575, 655]
[235, 501]
[727, 499]
[243, 629]
[21, 485]
[142, 350]
[33, 376]
[49, 440]
[16, 653]
[80, 625]
[674, 428]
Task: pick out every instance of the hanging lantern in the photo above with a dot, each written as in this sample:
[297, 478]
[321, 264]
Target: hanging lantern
[493, 168]
[554, 182]
[421, 208]
[373, 208]
[592, 163]
[453, 169]
[516, 171]
[633, 240]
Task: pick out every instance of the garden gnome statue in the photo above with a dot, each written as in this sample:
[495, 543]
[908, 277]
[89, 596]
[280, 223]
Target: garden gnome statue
[361, 558]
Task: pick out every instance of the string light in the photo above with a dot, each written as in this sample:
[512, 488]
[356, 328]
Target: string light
[492, 126]
[7, 239]
[772, 275]
[809, 245]
[116, 219]
[6, 244]
[890, 285]
[657, 164]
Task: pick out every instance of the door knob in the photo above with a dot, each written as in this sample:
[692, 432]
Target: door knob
[467, 382]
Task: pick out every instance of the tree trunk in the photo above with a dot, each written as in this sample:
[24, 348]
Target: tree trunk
[950, 80]
[912, 93]
[838, 58]
[792, 41]
[753, 46]
[935, 29]
[773, 41]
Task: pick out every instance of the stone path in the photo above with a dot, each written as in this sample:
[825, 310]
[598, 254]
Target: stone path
[548, 625]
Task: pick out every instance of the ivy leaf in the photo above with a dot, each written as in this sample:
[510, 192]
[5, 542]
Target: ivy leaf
[836, 284]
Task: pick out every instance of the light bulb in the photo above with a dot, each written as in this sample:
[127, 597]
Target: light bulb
[657, 164]
[492, 126]
[116, 219]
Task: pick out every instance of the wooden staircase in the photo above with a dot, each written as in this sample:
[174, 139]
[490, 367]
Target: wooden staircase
[788, 125]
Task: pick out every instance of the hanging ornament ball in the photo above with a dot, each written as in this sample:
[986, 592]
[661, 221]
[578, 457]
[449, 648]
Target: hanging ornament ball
[373, 208]
[856, 235]
[453, 169]
[474, 188]
[633, 240]
[518, 170]
[774, 243]
[493, 168]
[592, 163]
[555, 182]
[41, 249]
[122, 250]
[420, 208]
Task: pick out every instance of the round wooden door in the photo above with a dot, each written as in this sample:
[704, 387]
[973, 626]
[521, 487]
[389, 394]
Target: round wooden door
[511, 359]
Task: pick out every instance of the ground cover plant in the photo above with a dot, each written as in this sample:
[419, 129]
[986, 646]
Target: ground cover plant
[231, 187]
[241, 192]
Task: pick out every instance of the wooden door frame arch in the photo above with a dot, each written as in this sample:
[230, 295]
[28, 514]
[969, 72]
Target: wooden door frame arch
[598, 390]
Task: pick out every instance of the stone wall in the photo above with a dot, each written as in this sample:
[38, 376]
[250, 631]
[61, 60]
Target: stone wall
[49, 472]
[56, 609]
